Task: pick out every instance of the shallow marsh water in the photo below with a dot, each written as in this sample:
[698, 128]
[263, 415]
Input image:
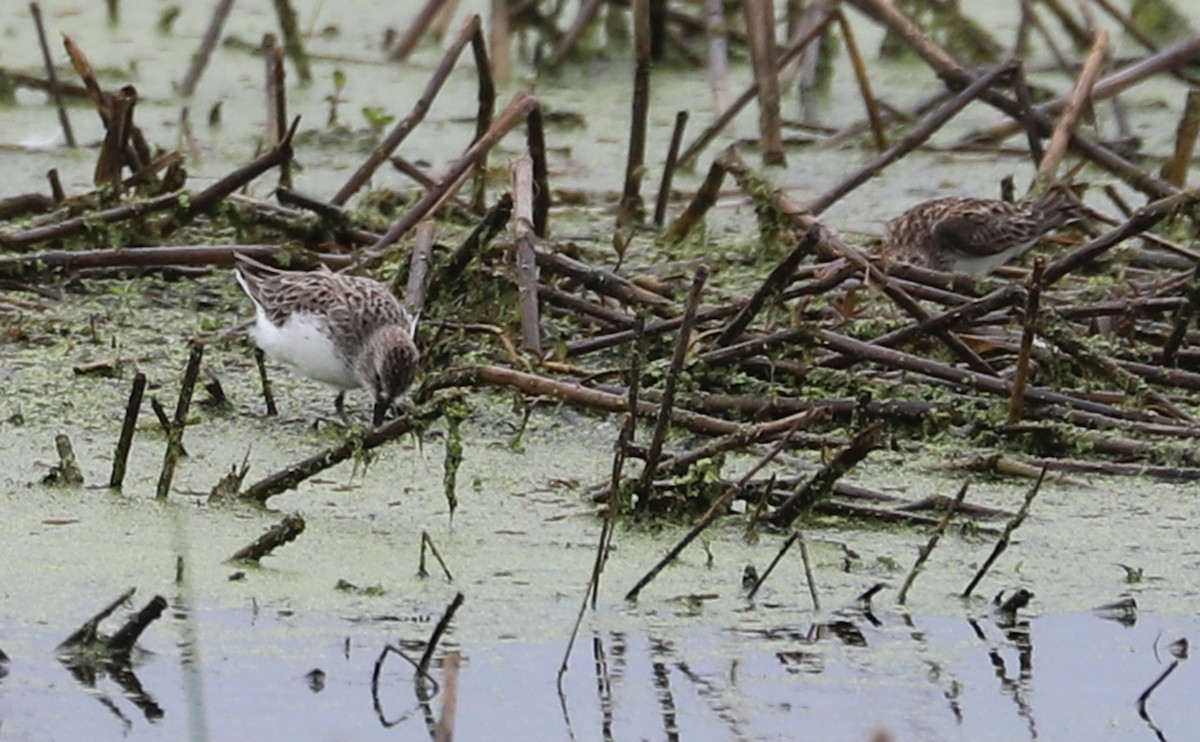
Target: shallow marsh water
[691, 659]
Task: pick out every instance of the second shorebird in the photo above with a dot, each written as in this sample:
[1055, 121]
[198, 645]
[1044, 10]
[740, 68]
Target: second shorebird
[977, 235]
[347, 331]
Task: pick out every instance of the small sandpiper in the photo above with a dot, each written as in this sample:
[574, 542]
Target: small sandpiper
[347, 331]
[977, 235]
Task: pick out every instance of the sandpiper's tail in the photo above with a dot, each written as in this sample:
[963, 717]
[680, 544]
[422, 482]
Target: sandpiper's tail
[249, 273]
[1062, 204]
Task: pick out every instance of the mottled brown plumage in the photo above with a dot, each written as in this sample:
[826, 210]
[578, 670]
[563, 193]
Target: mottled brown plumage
[347, 331]
[976, 235]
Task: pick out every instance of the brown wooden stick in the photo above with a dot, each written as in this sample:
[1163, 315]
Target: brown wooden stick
[718, 508]
[285, 531]
[405, 126]
[56, 93]
[132, 407]
[209, 42]
[517, 110]
[668, 174]
[631, 210]
[293, 42]
[417, 28]
[1002, 543]
[1033, 297]
[760, 33]
[821, 484]
[803, 37]
[1175, 170]
[663, 423]
[175, 430]
[771, 286]
[931, 544]
[864, 82]
[1069, 121]
[525, 258]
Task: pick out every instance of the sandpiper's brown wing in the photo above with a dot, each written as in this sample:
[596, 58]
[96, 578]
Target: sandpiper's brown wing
[985, 228]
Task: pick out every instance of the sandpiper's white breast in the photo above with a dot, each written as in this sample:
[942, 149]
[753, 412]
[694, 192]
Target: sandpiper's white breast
[303, 341]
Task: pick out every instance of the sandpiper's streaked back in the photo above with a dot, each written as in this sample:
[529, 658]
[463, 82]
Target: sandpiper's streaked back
[347, 331]
[977, 235]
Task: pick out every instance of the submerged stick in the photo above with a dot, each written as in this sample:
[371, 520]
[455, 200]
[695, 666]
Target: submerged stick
[771, 567]
[1002, 543]
[175, 430]
[132, 407]
[286, 531]
[927, 549]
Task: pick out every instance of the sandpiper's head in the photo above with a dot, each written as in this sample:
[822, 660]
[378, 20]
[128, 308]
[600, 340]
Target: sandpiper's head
[387, 366]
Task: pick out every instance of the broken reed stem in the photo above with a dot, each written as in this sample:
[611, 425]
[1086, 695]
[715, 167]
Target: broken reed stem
[771, 567]
[268, 395]
[668, 175]
[293, 475]
[207, 44]
[535, 141]
[121, 643]
[1182, 320]
[285, 531]
[663, 423]
[1175, 170]
[583, 18]
[760, 36]
[804, 38]
[808, 572]
[1069, 121]
[427, 543]
[517, 110]
[277, 109]
[1021, 89]
[779, 277]
[719, 506]
[405, 126]
[524, 256]
[55, 90]
[493, 223]
[293, 41]
[417, 28]
[927, 549]
[273, 132]
[417, 286]
[913, 139]
[1002, 543]
[132, 407]
[630, 210]
[1033, 299]
[705, 198]
[500, 42]
[176, 427]
[821, 483]
[486, 109]
[212, 196]
[1141, 220]
[718, 53]
[864, 82]
[442, 624]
